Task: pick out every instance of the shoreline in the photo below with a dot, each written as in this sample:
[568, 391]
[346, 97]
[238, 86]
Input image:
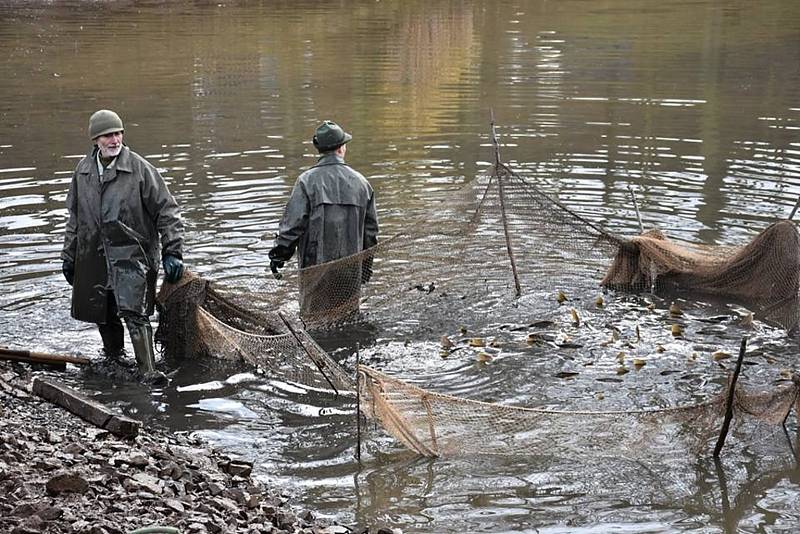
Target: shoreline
[59, 473]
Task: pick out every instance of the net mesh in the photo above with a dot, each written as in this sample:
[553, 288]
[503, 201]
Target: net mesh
[486, 250]
[499, 243]
[433, 424]
[196, 317]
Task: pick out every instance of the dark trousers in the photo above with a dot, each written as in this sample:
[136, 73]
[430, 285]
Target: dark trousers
[112, 332]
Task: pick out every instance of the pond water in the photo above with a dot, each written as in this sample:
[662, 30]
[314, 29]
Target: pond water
[695, 103]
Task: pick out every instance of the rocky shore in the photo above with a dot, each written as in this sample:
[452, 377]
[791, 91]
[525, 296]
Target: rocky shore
[60, 474]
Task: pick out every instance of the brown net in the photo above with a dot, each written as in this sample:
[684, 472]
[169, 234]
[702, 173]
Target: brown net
[197, 318]
[433, 424]
[499, 245]
[764, 274]
[488, 252]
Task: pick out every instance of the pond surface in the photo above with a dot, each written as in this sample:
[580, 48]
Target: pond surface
[696, 104]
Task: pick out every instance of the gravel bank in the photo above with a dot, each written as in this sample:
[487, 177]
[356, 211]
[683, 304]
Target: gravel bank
[60, 474]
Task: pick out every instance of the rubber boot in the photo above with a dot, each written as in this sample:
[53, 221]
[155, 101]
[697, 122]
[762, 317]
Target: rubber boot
[142, 342]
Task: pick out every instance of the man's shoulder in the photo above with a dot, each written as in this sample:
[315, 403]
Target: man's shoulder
[131, 161]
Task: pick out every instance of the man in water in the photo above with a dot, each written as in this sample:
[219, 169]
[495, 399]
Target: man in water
[119, 207]
[330, 215]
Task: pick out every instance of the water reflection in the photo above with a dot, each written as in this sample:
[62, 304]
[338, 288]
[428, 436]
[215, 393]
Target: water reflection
[695, 104]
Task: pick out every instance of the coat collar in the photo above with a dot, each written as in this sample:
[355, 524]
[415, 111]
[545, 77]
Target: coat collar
[330, 158]
[123, 162]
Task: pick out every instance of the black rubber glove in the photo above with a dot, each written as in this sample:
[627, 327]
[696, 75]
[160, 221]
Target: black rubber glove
[173, 268]
[277, 258]
[68, 268]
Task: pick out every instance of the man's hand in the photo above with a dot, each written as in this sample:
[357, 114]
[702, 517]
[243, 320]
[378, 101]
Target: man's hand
[68, 268]
[173, 268]
[277, 258]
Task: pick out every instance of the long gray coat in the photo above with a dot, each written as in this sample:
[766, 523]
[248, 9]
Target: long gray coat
[330, 214]
[112, 235]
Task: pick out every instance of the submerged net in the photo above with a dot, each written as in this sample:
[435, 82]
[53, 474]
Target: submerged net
[433, 424]
[196, 317]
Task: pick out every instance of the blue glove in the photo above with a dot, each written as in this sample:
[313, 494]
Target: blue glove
[173, 268]
[68, 268]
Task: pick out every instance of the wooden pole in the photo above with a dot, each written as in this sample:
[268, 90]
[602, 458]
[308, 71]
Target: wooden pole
[636, 207]
[59, 360]
[308, 353]
[358, 403]
[794, 209]
[726, 423]
[501, 191]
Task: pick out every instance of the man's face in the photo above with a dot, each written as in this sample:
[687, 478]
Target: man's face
[110, 145]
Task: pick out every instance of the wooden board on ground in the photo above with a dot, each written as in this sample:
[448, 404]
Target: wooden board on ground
[85, 408]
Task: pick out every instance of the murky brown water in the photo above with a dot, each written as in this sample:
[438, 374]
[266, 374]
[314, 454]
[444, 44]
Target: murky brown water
[697, 103]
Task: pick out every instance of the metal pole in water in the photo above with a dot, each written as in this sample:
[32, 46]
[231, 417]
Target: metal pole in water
[729, 404]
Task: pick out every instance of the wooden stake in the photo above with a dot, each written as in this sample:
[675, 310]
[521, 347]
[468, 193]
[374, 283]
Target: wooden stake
[731, 395]
[501, 191]
[794, 209]
[358, 403]
[636, 207]
[58, 360]
[308, 353]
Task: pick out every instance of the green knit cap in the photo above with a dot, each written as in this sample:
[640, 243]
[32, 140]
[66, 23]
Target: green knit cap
[104, 122]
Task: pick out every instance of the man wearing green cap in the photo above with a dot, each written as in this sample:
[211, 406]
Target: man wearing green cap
[330, 215]
[119, 208]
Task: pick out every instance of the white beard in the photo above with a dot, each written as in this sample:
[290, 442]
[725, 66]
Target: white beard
[111, 152]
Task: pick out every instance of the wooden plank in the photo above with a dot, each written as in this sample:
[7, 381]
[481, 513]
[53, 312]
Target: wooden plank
[59, 360]
[85, 408]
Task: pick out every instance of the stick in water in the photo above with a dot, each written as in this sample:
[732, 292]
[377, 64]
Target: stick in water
[729, 404]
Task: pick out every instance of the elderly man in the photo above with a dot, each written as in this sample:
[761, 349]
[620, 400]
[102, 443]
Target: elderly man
[119, 206]
[330, 215]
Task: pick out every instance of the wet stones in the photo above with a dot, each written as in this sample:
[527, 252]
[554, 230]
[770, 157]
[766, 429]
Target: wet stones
[59, 474]
[66, 483]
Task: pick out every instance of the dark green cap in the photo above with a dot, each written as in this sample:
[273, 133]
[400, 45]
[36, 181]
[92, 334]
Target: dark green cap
[104, 122]
[330, 136]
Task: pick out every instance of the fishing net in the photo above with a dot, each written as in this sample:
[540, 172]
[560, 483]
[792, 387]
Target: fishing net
[499, 245]
[197, 317]
[764, 274]
[432, 424]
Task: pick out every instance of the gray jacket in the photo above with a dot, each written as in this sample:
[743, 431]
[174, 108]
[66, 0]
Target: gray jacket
[112, 235]
[330, 214]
